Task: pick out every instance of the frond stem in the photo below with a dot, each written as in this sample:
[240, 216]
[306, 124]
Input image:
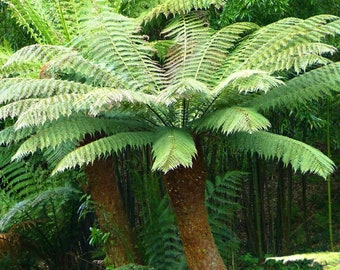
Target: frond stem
[158, 115]
[63, 22]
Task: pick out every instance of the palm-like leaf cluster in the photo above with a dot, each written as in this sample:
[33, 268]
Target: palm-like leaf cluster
[107, 81]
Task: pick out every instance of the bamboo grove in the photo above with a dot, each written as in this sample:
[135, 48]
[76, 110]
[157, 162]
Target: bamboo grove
[167, 135]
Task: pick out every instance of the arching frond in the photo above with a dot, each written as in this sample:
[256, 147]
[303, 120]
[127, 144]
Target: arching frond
[198, 51]
[234, 119]
[102, 148]
[18, 212]
[13, 109]
[298, 57]
[34, 17]
[309, 86]
[81, 69]
[300, 155]
[9, 135]
[14, 89]
[190, 33]
[112, 40]
[172, 148]
[37, 53]
[217, 48]
[248, 81]
[180, 7]
[102, 99]
[28, 60]
[45, 109]
[70, 129]
[269, 41]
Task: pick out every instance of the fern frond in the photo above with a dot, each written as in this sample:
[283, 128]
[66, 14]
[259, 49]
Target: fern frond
[234, 119]
[298, 57]
[249, 81]
[14, 89]
[69, 129]
[15, 177]
[216, 49]
[9, 135]
[309, 86]
[112, 40]
[38, 53]
[190, 33]
[198, 51]
[29, 60]
[221, 202]
[18, 213]
[328, 260]
[79, 68]
[14, 109]
[176, 7]
[102, 148]
[300, 155]
[172, 148]
[161, 240]
[32, 15]
[187, 88]
[102, 99]
[42, 110]
[269, 41]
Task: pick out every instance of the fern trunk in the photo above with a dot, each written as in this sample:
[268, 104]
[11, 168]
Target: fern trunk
[186, 189]
[110, 212]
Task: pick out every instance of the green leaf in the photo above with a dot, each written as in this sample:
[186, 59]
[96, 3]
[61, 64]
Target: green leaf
[103, 148]
[172, 148]
[309, 86]
[234, 119]
[249, 81]
[301, 156]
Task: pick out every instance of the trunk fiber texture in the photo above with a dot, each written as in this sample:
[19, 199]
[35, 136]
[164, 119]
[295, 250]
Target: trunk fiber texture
[111, 215]
[186, 189]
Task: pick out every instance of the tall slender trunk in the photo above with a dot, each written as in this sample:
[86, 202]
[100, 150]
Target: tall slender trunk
[111, 215]
[186, 189]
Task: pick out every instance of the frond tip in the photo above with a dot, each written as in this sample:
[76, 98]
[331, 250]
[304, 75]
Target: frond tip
[299, 155]
[235, 119]
[172, 148]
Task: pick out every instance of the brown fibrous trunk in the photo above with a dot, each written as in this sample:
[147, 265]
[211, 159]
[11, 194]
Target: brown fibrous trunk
[111, 215]
[186, 189]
